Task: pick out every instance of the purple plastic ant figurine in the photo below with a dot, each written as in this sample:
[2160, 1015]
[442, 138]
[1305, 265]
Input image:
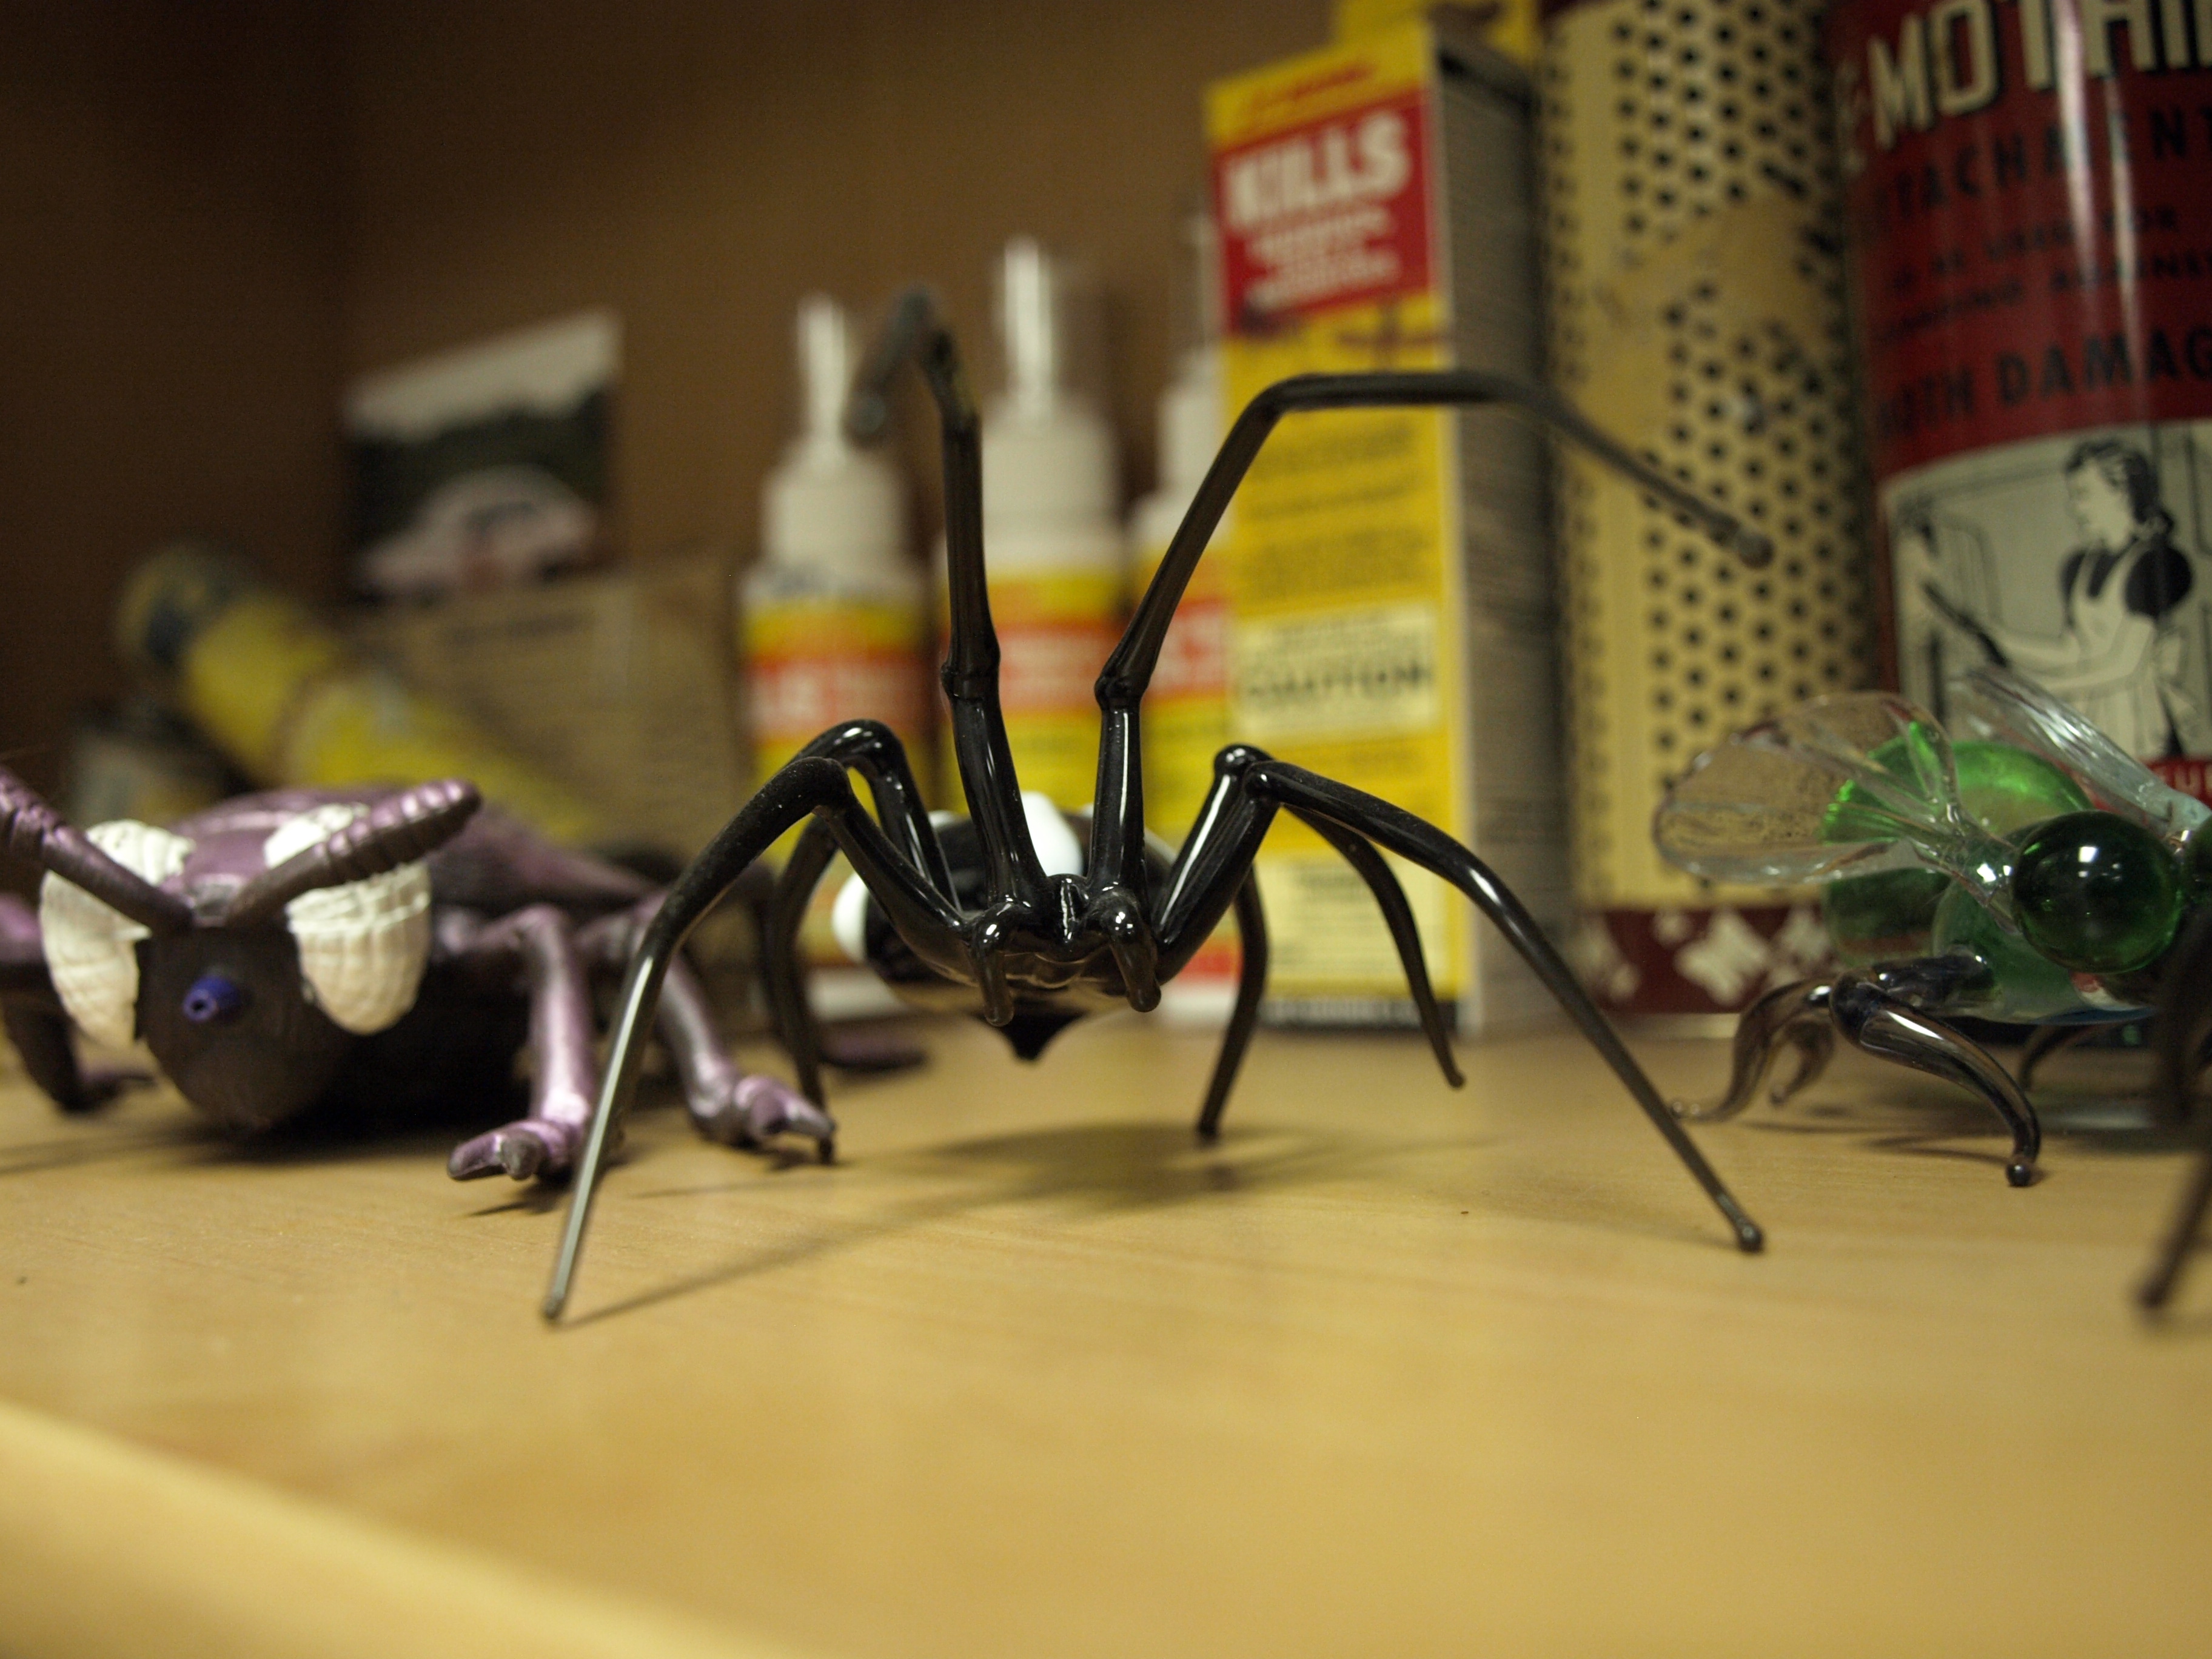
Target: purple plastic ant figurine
[356, 953]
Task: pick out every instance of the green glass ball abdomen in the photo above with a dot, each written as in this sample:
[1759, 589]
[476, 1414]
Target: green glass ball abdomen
[2002, 788]
[1891, 917]
[1888, 917]
[2096, 893]
[2022, 984]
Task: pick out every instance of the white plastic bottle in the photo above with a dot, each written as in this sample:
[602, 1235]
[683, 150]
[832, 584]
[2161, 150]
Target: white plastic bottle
[835, 615]
[1057, 558]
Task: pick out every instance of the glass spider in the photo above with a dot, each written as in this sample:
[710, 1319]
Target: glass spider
[970, 919]
[2020, 867]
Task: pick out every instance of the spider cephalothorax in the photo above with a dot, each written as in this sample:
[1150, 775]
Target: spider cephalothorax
[1031, 948]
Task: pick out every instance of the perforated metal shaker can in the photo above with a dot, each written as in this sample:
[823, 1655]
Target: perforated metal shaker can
[2029, 188]
[1694, 276]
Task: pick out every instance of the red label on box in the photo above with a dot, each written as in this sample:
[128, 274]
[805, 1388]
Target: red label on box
[1325, 215]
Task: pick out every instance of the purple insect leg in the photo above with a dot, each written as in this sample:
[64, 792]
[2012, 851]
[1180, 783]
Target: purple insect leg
[726, 1104]
[539, 944]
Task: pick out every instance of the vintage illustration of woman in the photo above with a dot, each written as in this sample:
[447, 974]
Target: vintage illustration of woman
[1948, 561]
[2119, 657]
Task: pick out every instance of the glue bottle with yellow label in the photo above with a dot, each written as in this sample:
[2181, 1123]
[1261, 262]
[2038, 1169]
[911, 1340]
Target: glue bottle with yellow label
[833, 614]
[833, 610]
[1058, 560]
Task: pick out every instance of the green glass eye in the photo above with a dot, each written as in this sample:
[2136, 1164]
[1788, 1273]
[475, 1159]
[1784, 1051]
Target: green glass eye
[2097, 894]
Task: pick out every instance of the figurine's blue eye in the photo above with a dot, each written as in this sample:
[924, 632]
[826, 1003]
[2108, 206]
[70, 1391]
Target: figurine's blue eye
[213, 1000]
[2097, 894]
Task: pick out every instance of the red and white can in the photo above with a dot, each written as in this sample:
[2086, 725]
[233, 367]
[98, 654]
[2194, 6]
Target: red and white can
[2029, 184]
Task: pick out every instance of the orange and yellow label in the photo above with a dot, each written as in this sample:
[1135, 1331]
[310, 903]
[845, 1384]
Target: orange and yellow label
[811, 663]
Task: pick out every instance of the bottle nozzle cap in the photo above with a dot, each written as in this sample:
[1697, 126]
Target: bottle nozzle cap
[825, 367]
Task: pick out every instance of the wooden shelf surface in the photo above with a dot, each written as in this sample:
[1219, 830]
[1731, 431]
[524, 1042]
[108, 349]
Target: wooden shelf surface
[1392, 1370]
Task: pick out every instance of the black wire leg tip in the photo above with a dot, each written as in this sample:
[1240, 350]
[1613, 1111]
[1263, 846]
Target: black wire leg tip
[1748, 1236]
[2180, 1240]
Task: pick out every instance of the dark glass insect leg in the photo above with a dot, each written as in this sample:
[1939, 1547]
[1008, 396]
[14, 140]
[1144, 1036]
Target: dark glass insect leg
[1792, 1017]
[1400, 831]
[1872, 1019]
[926, 919]
[1251, 987]
[2183, 1030]
[2044, 1042]
[1398, 916]
[2180, 1236]
[782, 971]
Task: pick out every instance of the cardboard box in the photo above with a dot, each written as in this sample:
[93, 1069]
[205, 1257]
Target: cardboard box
[1392, 616]
[622, 686]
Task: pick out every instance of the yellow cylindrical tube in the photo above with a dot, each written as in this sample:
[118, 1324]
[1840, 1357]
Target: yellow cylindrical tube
[279, 692]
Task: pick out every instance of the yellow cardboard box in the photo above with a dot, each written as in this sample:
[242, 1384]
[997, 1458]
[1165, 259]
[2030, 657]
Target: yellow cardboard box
[1391, 597]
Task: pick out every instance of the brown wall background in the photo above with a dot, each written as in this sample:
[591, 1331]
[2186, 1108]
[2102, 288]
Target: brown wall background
[170, 259]
[700, 166]
[215, 213]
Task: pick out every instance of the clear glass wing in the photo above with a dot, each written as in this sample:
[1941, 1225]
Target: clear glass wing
[1853, 784]
[1994, 704]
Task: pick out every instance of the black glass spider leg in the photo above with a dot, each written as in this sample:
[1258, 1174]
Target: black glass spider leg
[971, 674]
[1214, 860]
[783, 972]
[2183, 1030]
[1251, 987]
[1789, 1016]
[1398, 916]
[2044, 1042]
[1872, 1019]
[2180, 1236]
[873, 749]
[1424, 844]
[926, 919]
[2183, 1026]
[1117, 825]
